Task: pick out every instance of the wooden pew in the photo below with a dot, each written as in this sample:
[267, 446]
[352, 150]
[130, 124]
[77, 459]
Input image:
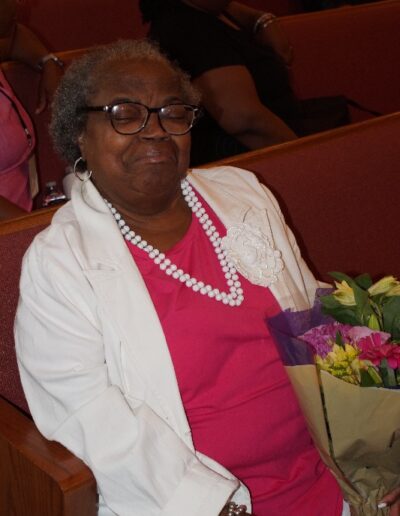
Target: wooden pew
[9, 210]
[352, 50]
[66, 25]
[338, 190]
[37, 477]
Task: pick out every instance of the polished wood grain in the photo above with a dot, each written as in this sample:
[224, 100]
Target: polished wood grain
[40, 477]
[9, 210]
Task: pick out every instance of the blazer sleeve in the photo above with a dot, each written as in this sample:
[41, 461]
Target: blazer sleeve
[141, 465]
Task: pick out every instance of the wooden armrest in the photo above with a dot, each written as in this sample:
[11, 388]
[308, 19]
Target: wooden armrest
[40, 477]
[8, 209]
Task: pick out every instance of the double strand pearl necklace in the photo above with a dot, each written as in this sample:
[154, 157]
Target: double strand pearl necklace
[235, 295]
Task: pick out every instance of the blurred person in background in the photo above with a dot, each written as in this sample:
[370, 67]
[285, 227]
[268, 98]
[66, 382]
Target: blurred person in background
[18, 181]
[239, 59]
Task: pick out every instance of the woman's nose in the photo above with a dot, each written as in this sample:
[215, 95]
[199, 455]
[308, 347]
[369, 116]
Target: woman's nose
[154, 128]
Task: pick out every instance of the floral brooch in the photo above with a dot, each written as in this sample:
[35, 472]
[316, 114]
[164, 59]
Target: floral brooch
[253, 254]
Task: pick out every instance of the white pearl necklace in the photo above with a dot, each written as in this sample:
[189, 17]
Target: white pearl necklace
[234, 297]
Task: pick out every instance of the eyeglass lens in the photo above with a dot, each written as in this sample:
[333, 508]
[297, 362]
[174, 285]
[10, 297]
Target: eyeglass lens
[130, 118]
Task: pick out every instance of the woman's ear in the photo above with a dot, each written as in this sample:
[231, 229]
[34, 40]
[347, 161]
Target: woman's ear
[82, 144]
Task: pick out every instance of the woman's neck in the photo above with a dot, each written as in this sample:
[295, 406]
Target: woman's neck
[162, 230]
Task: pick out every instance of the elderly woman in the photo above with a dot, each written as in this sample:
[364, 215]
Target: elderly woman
[140, 331]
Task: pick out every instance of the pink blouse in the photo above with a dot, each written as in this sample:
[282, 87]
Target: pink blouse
[236, 394]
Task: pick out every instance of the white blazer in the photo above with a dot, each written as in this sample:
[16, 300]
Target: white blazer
[94, 362]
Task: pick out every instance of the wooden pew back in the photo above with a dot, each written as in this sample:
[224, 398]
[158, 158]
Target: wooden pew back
[15, 237]
[38, 477]
[339, 192]
[352, 51]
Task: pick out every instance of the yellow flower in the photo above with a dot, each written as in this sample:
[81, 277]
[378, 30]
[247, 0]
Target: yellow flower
[343, 363]
[383, 286]
[344, 294]
[394, 291]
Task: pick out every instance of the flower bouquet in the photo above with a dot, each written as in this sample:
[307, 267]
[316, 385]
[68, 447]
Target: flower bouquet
[343, 359]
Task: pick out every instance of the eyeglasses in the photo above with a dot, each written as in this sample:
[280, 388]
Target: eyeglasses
[132, 117]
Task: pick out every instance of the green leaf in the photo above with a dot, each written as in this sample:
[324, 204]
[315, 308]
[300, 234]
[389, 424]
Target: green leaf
[370, 378]
[364, 281]
[339, 339]
[343, 314]
[391, 316]
[329, 301]
[388, 374]
[340, 276]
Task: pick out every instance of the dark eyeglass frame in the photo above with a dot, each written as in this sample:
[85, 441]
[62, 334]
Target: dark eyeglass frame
[196, 110]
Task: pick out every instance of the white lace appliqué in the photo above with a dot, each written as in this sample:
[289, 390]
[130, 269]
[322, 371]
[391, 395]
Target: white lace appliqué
[253, 254]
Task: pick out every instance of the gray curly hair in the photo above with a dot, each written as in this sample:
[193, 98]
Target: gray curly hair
[80, 82]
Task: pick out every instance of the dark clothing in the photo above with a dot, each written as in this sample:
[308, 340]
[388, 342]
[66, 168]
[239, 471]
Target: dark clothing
[200, 42]
[317, 5]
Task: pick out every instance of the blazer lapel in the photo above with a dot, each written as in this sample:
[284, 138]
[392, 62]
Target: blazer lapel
[229, 207]
[123, 295]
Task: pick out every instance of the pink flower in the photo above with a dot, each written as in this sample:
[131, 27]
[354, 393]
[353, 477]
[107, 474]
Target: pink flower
[355, 333]
[375, 348]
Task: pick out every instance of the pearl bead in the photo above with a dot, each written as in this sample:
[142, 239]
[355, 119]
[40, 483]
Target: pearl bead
[234, 297]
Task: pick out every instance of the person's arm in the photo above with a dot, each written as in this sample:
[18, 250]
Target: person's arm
[27, 48]
[268, 33]
[140, 464]
[230, 96]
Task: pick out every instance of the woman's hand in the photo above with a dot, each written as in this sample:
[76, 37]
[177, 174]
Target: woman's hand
[272, 35]
[392, 499]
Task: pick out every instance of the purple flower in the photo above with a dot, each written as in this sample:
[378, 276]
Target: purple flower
[321, 338]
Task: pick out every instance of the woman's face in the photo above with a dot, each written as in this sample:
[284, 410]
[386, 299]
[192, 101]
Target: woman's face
[138, 173]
